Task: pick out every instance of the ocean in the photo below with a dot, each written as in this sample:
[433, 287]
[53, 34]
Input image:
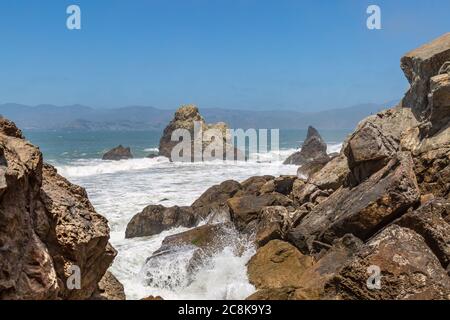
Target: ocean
[120, 189]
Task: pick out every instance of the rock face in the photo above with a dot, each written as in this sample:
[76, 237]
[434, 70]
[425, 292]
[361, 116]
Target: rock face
[47, 227]
[109, 288]
[118, 153]
[313, 149]
[205, 139]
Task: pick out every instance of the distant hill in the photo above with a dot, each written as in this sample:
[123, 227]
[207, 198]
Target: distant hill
[135, 118]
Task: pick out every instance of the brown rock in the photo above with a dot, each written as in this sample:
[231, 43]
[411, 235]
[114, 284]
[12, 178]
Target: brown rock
[363, 210]
[156, 218]
[152, 298]
[419, 66]
[313, 148]
[409, 270]
[312, 167]
[118, 153]
[246, 209]
[47, 226]
[277, 265]
[333, 175]
[109, 288]
[273, 223]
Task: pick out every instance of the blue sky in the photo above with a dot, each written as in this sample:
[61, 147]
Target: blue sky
[240, 54]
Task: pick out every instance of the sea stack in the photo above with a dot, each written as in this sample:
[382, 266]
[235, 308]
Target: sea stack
[313, 154]
[186, 117]
[118, 153]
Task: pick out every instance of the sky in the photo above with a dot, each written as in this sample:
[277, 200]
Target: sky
[239, 54]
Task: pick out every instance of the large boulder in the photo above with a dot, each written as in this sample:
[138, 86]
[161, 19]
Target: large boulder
[211, 139]
[408, 268]
[156, 218]
[375, 141]
[419, 66]
[277, 265]
[333, 175]
[363, 210]
[48, 227]
[118, 153]
[314, 148]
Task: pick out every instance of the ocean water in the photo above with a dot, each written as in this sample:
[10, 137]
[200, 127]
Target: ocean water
[120, 189]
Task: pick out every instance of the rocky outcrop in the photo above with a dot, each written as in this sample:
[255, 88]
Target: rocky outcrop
[156, 218]
[313, 149]
[48, 228]
[118, 153]
[109, 288]
[210, 140]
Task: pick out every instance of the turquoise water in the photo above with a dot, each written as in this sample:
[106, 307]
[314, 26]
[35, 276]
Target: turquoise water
[65, 146]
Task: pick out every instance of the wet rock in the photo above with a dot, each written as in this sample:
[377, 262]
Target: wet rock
[118, 153]
[156, 218]
[363, 210]
[313, 148]
[409, 270]
[214, 201]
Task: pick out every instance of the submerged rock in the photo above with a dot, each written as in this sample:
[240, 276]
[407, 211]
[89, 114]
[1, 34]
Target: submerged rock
[118, 153]
[314, 149]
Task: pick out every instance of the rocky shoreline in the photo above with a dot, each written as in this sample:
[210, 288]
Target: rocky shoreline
[381, 206]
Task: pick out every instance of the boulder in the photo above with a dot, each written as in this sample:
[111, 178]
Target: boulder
[313, 148]
[254, 185]
[156, 218]
[246, 209]
[109, 288]
[202, 141]
[408, 268]
[419, 66]
[214, 201]
[277, 265]
[432, 222]
[48, 227]
[332, 175]
[375, 141]
[118, 153]
[308, 169]
[361, 211]
[273, 223]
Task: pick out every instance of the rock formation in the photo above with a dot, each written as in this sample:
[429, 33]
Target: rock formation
[48, 227]
[313, 154]
[118, 153]
[204, 142]
[382, 204]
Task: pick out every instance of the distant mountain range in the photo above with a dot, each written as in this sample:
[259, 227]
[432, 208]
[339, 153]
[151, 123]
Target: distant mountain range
[135, 118]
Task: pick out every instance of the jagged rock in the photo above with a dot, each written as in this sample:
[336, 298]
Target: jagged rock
[118, 153]
[409, 270]
[47, 226]
[432, 222]
[109, 288]
[419, 66]
[277, 265]
[273, 223]
[214, 201]
[254, 185]
[313, 148]
[156, 218]
[439, 102]
[246, 209]
[312, 167]
[362, 210]
[332, 175]
[375, 141]
[186, 118]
